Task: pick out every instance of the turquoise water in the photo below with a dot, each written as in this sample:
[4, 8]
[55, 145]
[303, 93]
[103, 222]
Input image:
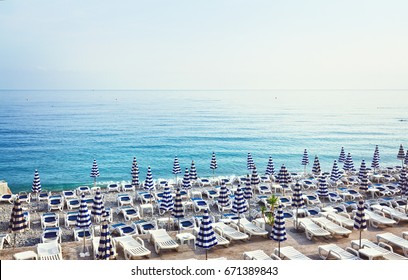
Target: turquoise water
[60, 132]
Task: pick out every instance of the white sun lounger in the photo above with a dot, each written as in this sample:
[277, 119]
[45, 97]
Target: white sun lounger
[8, 198]
[330, 226]
[133, 247]
[392, 239]
[222, 241]
[230, 232]
[49, 251]
[394, 214]
[250, 228]
[382, 247]
[312, 229]
[343, 219]
[332, 251]
[291, 253]
[377, 218]
[3, 239]
[256, 255]
[162, 240]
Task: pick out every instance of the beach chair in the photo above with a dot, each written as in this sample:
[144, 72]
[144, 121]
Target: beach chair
[290, 253]
[231, 232]
[342, 219]
[69, 194]
[394, 240]
[8, 198]
[123, 229]
[256, 255]
[128, 188]
[113, 188]
[83, 190]
[312, 229]
[124, 199]
[186, 223]
[73, 203]
[80, 232]
[133, 247]
[308, 184]
[52, 234]
[95, 247]
[199, 204]
[24, 197]
[394, 214]
[264, 189]
[144, 226]
[312, 199]
[335, 197]
[222, 241]
[43, 195]
[204, 182]
[55, 202]
[265, 179]
[145, 197]
[129, 213]
[70, 219]
[250, 228]
[49, 220]
[332, 251]
[212, 194]
[286, 201]
[162, 240]
[377, 218]
[49, 251]
[331, 227]
[4, 238]
[388, 252]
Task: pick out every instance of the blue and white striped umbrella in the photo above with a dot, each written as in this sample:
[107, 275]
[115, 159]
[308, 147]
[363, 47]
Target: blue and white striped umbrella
[176, 168]
[255, 177]
[206, 238]
[279, 231]
[403, 182]
[335, 173]
[322, 191]
[401, 153]
[360, 221]
[305, 159]
[283, 176]
[297, 201]
[98, 209]
[270, 168]
[36, 187]
[18, 222]
[186, 184]
[105, 249]
[363, 176]
[342, 156]
[167, 203]
[248, 188]
[83, 218]
[178, 210]
[149, 183]
[94, 171]
[223, 197]
[135, 173]
[406, 158]
[239, 205]
[376, 159]
[213, 164]
[193, 172]
[316, 170]
[250, 162]
[348, 164]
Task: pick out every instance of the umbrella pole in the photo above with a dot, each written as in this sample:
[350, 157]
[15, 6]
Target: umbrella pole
[279, 249]
[168, 225]
[360, 239]
[206, 254]
[296, 220]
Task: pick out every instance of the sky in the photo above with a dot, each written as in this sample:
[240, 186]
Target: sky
[211, 44]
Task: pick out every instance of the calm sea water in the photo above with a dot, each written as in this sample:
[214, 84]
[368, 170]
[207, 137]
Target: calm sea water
[61, 132]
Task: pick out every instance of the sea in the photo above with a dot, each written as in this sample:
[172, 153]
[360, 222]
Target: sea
[61, 132]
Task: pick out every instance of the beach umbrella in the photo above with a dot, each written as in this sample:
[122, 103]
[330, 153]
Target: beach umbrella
[135, 173]
[283, 177]
[239, 204]
[94, 171]
[401, 154]
[278, 231]
[406, 158]
[360, 221]
[363, 176]
[248, 189]
[213, 164]
[250, 162]
[342, 156]
[223, 197]
[167, 203]
[186, 184]
[206, 238]
[176, 168]
[178, 209]
[255, 177]
[36, 186]
[316, 170]
[105, 249]
[402, 181]
[98, 208]
[270, 167]
[193, 172]
[375, 164]
[322, 191]
[335, 173]
[297, 201]
[18, 222]
[305, 159]
[348, 164]
[83, 221]
[149, 183]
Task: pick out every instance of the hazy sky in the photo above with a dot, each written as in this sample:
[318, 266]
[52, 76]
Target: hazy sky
[203, 44]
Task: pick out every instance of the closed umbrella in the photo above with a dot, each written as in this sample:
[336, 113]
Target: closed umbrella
[322, 192]
[297, 201]
[270, 167]
[406, 158]
[186, 184]
[193, 172]
[402, 182]
[248, 189]
[284, 178]
[176, 168]
[316, 170]
[84, 222]
[178, 210]
[105, 249]
[135, 173]
[335, 173]
[360, 221]
[18, 222]
[363, 176]
[98, 208]
[348, 164]
[149, 183]
[250, 162]
[206, 238]
[279, 231]
[223, 197]
[36, 186]
[239, 204]
[342, 156]
[305, 159]
[213, 164]
[401, 154]
[375, 164]
[94, 171]
[167, 203]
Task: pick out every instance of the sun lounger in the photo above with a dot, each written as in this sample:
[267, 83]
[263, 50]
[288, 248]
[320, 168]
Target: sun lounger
[394, 214]
[128, 188]
[73, 203]
[332, 251]
[49, 220]
[55, 202]
[124, 229]
[377, 218]
[394, 240]
[113, 188]
[129, 213]
[83, 190]
[205, 182]
[52, 234]
[199, 204]
[230, 232]
[80, 232]
[264, 189]
[312, 229]
[250, 228]
[388, 252]
[342, 219]
[256, 255]
[43, 195]
[334, 197]
[4, 238]
[49, 251]
[186, 223]
[124, 199]
[133, 247]
[212, 193]
[330, 226]
[290, 253]
[68, 194]
[70, 219]
[312, 199]
[7, 198]
[222, 241]
[162, 240]
[144, 226]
